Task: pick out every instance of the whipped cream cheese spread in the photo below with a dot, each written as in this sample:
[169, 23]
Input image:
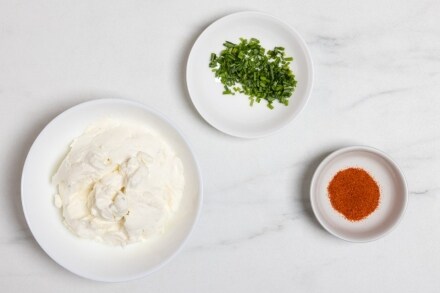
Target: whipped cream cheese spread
[119, 183]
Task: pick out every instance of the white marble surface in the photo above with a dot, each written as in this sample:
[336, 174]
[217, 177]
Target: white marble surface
[377, 67]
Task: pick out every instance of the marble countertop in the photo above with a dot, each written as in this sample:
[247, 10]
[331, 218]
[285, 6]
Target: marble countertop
[377, 83]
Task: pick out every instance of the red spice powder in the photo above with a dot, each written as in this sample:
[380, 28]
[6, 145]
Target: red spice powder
[354, 193]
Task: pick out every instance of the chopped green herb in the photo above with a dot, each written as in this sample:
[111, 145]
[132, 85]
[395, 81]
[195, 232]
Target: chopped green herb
[248, 68]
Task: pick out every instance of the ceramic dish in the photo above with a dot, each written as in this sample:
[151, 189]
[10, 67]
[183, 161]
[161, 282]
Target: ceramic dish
[392, 185]
[232, 114]
[85, 257]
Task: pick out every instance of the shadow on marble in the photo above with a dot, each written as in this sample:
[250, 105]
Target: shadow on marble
[187, 46]
[15, 161]
[183, 59]
[305, 187]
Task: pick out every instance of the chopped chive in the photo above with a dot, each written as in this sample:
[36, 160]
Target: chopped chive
[250, 69]
[228, 44]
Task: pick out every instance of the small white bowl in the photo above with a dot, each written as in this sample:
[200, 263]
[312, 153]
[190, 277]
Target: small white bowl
[393, 194]
[85, 257]
[232, 114]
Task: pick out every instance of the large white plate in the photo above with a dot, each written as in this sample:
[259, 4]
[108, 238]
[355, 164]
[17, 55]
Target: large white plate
[85, 257]
[232, 114]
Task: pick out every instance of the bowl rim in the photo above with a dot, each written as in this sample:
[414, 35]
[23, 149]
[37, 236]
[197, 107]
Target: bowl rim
[162, 117]
[308, 58]
[377, 152]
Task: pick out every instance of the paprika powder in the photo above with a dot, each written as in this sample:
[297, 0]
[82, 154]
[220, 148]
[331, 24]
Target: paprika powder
[354, 193]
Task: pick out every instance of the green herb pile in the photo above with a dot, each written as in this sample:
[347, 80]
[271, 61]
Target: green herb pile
[248, 68]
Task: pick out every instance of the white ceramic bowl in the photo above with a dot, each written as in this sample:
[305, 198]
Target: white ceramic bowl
[232, 114]
[88, 258]
[393, 199]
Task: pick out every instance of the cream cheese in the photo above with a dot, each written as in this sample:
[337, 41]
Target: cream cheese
[118, 184]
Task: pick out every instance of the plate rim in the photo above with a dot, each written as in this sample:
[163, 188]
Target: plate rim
[376, 152]
[199, 178]
[308, 58]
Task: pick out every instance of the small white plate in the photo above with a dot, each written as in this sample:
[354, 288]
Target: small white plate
[232, 114]
[393, 194]
[85, 257]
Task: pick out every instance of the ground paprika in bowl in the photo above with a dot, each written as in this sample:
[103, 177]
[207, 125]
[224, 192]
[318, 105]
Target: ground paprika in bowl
[358, 193]
[354, 193]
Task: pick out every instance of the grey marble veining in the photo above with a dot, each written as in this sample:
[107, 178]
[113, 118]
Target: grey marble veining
[377, 83]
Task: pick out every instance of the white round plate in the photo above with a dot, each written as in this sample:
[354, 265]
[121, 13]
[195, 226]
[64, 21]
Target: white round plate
[233, 114]
[85, 257]
[393, 194]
